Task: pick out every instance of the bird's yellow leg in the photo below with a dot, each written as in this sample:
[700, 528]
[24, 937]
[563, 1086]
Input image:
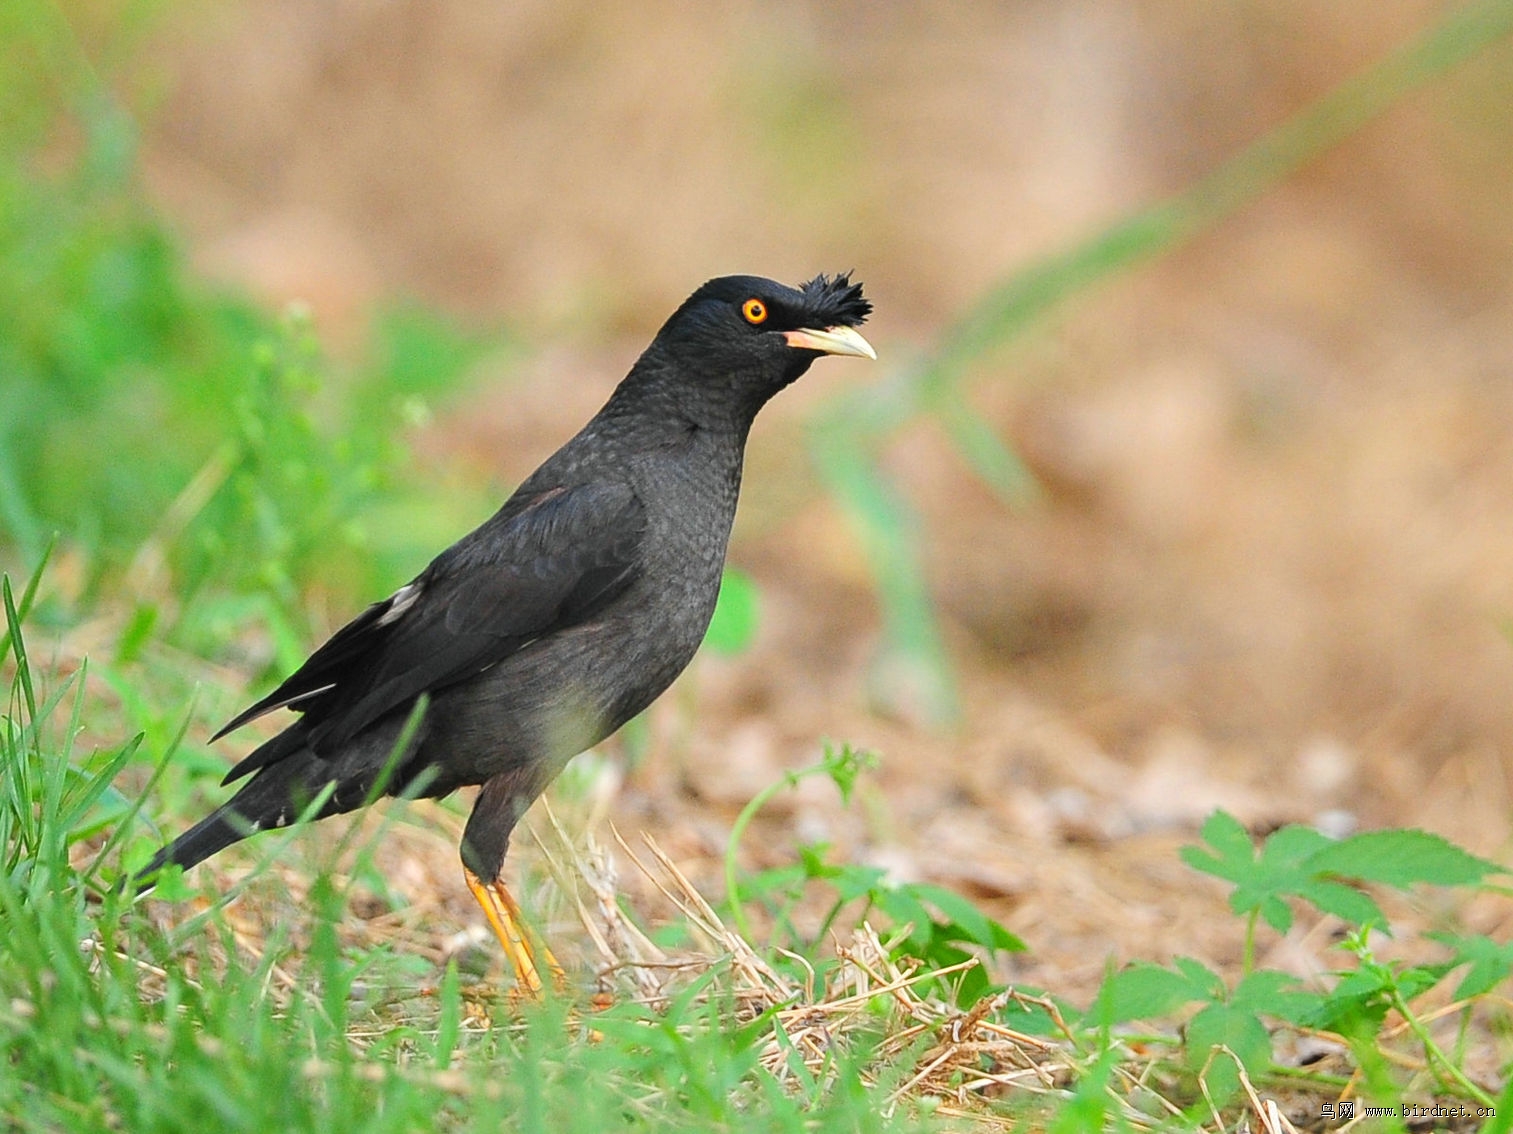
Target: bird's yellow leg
[503, 913]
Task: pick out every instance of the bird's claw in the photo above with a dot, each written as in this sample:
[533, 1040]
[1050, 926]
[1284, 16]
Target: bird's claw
[503, 913]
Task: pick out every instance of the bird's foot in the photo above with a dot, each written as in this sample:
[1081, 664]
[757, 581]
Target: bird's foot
[503, 913]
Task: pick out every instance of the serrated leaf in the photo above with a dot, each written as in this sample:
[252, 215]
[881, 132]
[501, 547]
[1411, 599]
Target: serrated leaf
[1344, 902]
[1228, 836]
[1300, 862]
[1293, 845]
[1203, 979]
[1238, 1029]
[1491, 962]
[1274, 993]
[1402, 858]
[1417, 979]
[1143, 992]
[169, 884]
[1365, 981]
[1358, 1016]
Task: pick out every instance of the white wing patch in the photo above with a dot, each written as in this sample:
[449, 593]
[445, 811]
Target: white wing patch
[292, 701]
[399, 602]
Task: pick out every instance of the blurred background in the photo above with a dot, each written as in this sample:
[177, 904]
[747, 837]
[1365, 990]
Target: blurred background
[296, 292]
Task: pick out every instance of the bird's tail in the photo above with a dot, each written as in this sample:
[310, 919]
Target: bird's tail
[275, 797]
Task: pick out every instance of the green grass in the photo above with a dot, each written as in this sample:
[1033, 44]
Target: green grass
[112, 1019]
[112, 1022]
[205, 460]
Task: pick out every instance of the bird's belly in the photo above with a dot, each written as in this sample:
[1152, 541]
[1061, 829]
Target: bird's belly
[573, 687]
[561, 694]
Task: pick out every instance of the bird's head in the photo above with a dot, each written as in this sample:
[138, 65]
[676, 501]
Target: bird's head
[743, 338]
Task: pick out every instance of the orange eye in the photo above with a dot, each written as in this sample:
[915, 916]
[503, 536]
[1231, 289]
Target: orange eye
[755, 311]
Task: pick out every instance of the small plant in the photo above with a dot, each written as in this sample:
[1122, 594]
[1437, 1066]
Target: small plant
[1297, 864]
[937, 927]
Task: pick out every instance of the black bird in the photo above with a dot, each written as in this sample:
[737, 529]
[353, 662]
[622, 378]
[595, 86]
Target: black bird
[562, 616]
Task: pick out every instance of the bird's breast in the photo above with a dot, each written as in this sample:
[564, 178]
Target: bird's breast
[569, 690]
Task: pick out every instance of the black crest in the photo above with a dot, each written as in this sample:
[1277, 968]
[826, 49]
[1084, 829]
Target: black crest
[835, 302]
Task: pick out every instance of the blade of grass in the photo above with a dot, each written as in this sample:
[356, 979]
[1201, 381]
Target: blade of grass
[28, 596]
[887, 527]
[858, 425]
[18, 649]
[123, 828]
[188, 929]
[1010, 306]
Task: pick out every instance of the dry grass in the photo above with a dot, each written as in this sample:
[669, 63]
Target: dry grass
[961, 1059]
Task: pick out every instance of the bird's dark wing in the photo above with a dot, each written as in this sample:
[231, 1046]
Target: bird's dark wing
[544, 563]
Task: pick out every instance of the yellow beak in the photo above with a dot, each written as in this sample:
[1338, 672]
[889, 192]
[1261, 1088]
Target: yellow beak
[832, 340]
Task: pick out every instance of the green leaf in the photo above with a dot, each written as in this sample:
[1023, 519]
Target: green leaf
[1238, 1029]
[1293, 845]
[1272, 993]
[1299, 862]
[977, 927]
[1230, 839]
[853, 881]
[1402, 858]
[1417, 979]
[1209, 984]
[815, 865]
[1356, 1006]
[1033, 1019]
[1276, 912]
[846, 765]
[169, 884]
[1144, 992]
[1491, 963]
[905, 909]
[1344, 902]
[737, 613]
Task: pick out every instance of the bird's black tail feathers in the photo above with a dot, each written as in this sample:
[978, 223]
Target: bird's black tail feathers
[275, 797]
